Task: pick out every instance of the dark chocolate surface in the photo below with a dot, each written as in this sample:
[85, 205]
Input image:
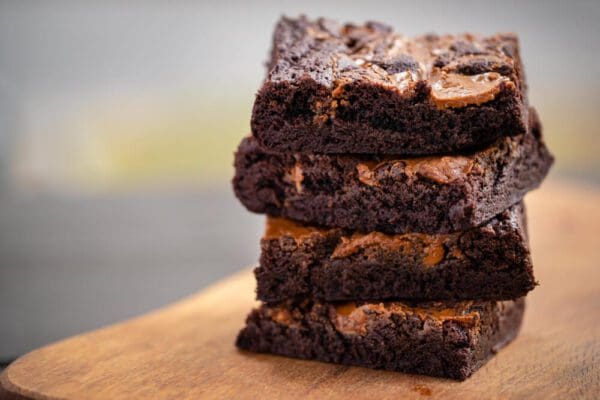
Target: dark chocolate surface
[334, 88]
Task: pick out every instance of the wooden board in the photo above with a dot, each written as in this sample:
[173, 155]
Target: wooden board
[186, 351]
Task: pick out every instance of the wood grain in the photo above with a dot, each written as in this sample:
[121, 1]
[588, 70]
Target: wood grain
[186, 351]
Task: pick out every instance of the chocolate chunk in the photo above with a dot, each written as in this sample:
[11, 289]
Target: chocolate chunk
[463, 48]
[397, 64]
[479, 65]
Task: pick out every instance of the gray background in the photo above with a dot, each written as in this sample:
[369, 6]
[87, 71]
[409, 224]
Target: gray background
[73, 259]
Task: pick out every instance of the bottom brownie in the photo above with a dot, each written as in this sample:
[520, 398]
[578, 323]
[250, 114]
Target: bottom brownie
[450, 340]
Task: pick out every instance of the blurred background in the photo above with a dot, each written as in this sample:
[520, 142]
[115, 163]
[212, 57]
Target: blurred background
[118, 121]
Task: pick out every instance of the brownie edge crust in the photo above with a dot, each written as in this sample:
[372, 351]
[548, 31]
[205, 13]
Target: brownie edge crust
[450, 340]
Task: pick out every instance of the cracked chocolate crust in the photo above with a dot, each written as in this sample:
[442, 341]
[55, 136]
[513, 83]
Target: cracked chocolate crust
[388, 194]
[489, 262]
[367, 90]
[450, 340]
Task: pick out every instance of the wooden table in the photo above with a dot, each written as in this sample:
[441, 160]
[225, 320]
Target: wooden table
[186, 351]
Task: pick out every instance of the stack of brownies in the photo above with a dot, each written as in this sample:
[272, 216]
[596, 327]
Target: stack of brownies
[392, 171]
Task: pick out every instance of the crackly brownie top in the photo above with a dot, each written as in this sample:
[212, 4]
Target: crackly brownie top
[459, 70]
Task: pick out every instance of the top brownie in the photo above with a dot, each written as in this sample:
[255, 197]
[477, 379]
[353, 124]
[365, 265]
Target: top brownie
[365, 89]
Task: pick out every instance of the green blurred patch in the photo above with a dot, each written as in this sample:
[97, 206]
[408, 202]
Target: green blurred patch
[186, 141]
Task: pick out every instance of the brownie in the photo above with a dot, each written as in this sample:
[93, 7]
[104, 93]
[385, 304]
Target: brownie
[489, 262]
[392, 195]
[450, 340]
[364, 89]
